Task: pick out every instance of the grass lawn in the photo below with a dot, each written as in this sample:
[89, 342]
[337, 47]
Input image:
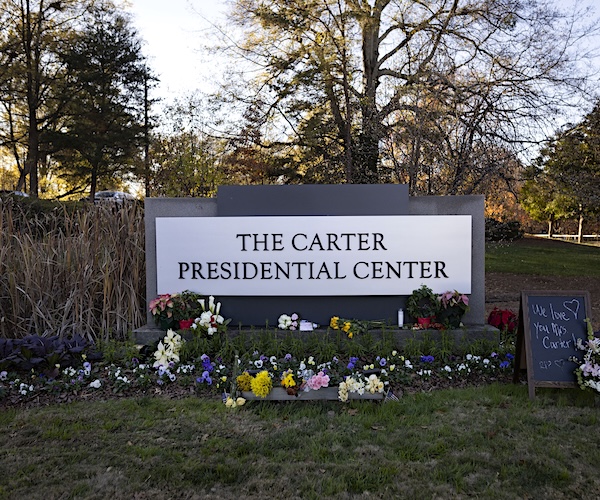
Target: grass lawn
[479, 442]
[532, 256]
[488, 442]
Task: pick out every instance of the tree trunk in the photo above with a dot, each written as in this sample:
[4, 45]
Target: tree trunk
[31, 160]
[366, 167]
[580, 229]
[550, 226]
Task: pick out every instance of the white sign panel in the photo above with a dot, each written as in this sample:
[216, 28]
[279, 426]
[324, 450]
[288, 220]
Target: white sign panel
[313, 255]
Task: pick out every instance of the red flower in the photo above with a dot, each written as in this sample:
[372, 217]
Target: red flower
[185, 324]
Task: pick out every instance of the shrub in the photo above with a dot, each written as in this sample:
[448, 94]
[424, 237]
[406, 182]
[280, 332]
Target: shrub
[496, 230]
[42, 354]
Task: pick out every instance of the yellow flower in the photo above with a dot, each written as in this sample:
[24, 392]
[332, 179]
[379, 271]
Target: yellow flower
[334, 322]
[262, 384]
[244, 381]
[240, 401]
[350, 335]
[347, 326]
[224, 378]
[288, 379]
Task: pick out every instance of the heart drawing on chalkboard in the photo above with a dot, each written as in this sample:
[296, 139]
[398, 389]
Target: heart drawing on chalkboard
[572, 305]
[559, 362]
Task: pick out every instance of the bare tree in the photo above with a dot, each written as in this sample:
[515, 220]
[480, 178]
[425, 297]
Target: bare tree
[456, 76]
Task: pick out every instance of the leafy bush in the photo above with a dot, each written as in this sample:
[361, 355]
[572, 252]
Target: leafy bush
[42, 354]
[496, 230]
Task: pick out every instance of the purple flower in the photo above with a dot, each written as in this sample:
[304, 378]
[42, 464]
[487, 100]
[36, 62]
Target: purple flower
[206, 364]
[509, 356]
[427, 359]
[135, 361]
[382, 362]
[352, 363]
[205, 378]
[263, 358]
[87, 366]
[288, 357]
[494, 355]
[505, 364]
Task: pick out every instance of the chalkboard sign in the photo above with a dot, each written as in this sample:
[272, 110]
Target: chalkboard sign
[549, 325]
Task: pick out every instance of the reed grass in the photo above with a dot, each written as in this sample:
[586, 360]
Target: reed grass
[71, 272]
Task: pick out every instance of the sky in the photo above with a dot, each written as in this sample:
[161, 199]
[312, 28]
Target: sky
[174, 31]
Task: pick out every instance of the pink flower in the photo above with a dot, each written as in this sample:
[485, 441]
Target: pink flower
[317, 381]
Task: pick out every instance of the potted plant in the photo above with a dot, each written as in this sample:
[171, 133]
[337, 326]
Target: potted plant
[453, 306]
[162, 308]
[169, 310]
[422, 305]
[187, 308]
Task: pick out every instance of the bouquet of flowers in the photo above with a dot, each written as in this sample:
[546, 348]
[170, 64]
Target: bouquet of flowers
[288, 322]
[588, 371]
[350, 327]
[210, 320]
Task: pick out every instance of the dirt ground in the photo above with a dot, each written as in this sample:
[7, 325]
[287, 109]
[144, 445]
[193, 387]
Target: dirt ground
[503, 290]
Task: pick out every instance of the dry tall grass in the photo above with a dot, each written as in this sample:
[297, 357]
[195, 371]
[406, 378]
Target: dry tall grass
[65, 273]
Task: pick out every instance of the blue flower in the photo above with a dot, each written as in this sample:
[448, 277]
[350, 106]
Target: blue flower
[509, 356]
[382, 362]
[505, 364]
[352, 362]
[427, 359]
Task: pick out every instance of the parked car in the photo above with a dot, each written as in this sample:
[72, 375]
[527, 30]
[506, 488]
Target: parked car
[113, 196]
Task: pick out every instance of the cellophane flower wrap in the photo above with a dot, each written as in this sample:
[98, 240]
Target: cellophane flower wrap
[210, 320]
[588, 371]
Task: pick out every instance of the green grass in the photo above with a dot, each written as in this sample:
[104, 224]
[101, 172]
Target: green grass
[557, 258]
[489, 442]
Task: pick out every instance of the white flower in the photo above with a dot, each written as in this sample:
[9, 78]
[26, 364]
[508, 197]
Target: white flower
[95, 384]
[284, 321]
